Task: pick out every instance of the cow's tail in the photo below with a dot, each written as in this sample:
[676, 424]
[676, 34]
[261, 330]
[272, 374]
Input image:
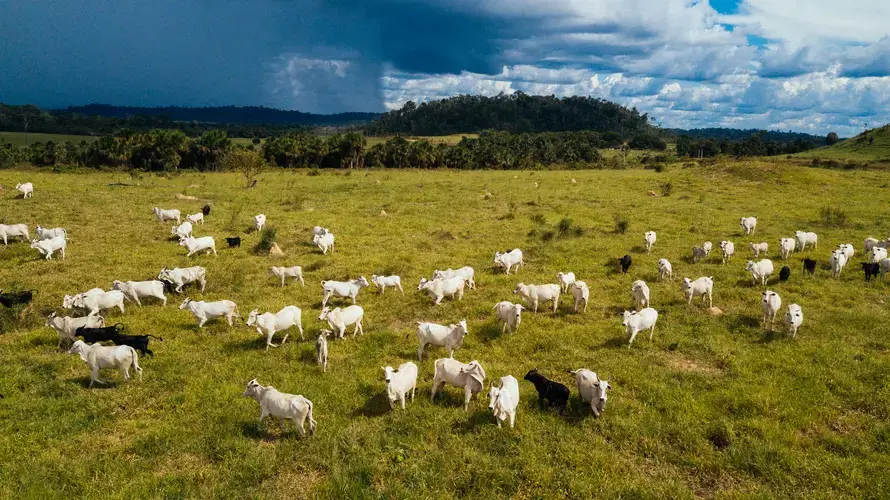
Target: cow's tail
[155, 337]
[313, 425]
[135, 360]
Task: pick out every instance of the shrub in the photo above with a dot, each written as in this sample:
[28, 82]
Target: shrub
[667, 188]
[249, 163]
[267, 238]
[621, 224]
[313, 172]
[834, 217]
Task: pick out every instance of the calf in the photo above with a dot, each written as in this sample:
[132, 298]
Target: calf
[748, 224]
[98, 356]
[10, 299]
[639, 292]
[554, 393]
[321, 349]
[625, 263]
[195, 218]
[592, 390]
[770, 302]
[535, 294]
[450, 337]
[793, 319]
[786, 247]
[504, 399]
[27, 189]
[440, 288]
[295, 272]
[728, 249]
[785, 273]
[400, 382]
[707, 246]
[338, 319]
[12, 230]
[205, 211]
[838, 261]
[565, 279]
[581, 294]
[470, 376]
[639, 321]
[233, 242]
[758, 248]
[703, 286]
[665, 269]
[871, 270]
[509, 314]
[259, 221]
[698, 253]
[382, 282]
[282, 406]
[650, 238]
[877, 254]
[809, 266]
[847, 248]
[509, 259]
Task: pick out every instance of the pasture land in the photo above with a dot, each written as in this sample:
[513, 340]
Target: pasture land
[714, 406]
[22, 139]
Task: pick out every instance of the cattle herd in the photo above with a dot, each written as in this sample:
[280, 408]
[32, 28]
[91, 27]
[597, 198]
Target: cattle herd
[86, 309]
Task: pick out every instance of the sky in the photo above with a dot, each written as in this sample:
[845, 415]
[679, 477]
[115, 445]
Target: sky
[804, 65]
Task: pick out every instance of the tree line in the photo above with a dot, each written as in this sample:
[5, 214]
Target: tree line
[754, 145]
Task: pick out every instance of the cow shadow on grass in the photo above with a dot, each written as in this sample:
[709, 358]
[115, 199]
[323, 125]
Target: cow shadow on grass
[742, 323]
[476, 417]
[489, 332]
[376, 402]
[638, 249]
[109, 384]
[770, 336]
[620, 341]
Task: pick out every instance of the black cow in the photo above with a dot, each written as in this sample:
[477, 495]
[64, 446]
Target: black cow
[234, 242]
[554, 392]
[809, 266]
[785, 273]
[206, 210]
[871, 270]
[625, 263]
[138, 342]
[10, 299]
[93, 335]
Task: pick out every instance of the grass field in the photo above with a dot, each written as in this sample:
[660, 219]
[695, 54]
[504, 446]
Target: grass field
[872, 145]
[713, 407]
[22, 139]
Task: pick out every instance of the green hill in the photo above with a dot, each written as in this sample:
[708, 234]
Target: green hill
[871, 145]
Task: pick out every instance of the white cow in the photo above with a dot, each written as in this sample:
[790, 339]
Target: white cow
[27, 189]
[592, 390]
[639, 292]
[703, 286]
[259, 221]
[504, 399]
[805, 239]
[195, 218]
[793, 319]
[44, 233]
[786, 247]
[96, 302]
[760, 271]
[650, 238]
[707, 246]
[184, 276]
[183, 230]
[441, 288]
[728, 249]
[318, 231]
[324, 242]
[636, 322]
[758, 248]
[565, 279]
[470, 376]
[98, 356]
[509, 315]
[12, 230]
[47, 247]
[321, 349]
[665, 269]
[536, 294]
[872, 242]
[137, 290]
[195, 245]
[400, 382]
[295, 272]
[771, 303]
[164, 215]
[382, 282]
[466, 272]
[206, 311]
[509, 259]
[450, 337]
[748, 224]
[838, 261]
[581, 294]
[847, 248]
[66, 326]
[338, 319]
[268, 323]
[885, 268]
[68, 300]
[282, 406]
[698, 253]
[347, 289]
[878, 254]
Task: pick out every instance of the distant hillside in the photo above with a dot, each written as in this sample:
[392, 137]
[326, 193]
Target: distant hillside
[871, 145]
[517, 113]
[734, 134]
[256, 115]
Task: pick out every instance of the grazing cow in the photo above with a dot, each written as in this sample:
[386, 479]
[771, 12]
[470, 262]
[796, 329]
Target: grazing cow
[639, 321]
[871, 270]
[382, 282]
[295, 272]
[400, 382]
[96, 302]
[785, 273]
[183, 230]
[698, 253]
[268, 323]
[195, 245]
[650, 238]
[205, 210]
[877, 254]
[625, 263]
[47, 247]
[98, 356]
[504, 399]
[639, 292]
[10, 299]
[466, 272]
[259, 221]
[707, 246]
[321, 349]
[535, 294]
[581, 294]
[592, 390]
[164, 215]
[553, 393]
[770, 302]
[180, 277]
[324, 242]
[282, 406]
[195, 218]
[12, 230]
[786, 247]
[233, 242]
[509, 315]
[703, 286]
[347, 289]
[509, 259]
[27, 189]
[470, 376]
[48, 234]
[441, 288]
[665, 269]
[760, 271]
[759, 248]
[728, 249]
[847, 248]
[809, 266]
[67, 326]
[793, 319]
[565, 279]
[136, 290]
[870, 243]
[450, 337]
[748, 224]
[838, 261]
[805, 239]
[206, 311]
[338, 319]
